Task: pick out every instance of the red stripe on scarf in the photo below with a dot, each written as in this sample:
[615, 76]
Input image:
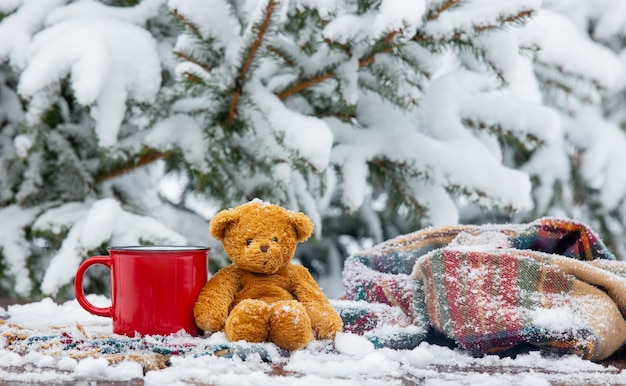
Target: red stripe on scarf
[451, 283]
[379, 293]
[472, 284]
[403, 297]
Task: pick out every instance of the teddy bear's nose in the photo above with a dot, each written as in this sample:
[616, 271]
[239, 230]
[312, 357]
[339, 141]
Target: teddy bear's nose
[264, 248]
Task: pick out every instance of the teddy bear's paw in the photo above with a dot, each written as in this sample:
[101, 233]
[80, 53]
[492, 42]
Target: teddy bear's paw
[248, 321]
[327, 325]
[209, 318]
[290, 325]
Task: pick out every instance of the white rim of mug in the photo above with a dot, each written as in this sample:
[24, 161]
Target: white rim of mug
[159, 248]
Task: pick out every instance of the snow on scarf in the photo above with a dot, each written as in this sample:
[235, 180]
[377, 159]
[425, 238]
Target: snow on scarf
[551, 283]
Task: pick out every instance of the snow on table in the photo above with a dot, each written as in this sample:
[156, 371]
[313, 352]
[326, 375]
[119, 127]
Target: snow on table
[45, 342]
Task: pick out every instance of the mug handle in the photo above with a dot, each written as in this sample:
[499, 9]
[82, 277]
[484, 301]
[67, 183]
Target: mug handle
[78, 285]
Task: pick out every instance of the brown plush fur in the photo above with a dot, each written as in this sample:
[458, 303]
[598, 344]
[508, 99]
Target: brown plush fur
[262, 296]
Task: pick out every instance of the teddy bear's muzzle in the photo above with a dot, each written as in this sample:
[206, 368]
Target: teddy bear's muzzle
[262, 260]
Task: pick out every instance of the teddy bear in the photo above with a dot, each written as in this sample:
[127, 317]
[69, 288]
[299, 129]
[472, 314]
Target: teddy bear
[262, 296]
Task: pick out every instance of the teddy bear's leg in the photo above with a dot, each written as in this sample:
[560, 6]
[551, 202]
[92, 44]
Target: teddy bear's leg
[248, 321]
[290, 325]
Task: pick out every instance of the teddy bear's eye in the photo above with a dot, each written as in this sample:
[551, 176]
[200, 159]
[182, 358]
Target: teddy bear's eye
[249, 241]
[275, 239]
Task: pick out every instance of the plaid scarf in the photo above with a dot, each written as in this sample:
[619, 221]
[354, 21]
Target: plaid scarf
[493, 287]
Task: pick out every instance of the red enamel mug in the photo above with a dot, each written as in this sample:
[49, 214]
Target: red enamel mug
[153, 288]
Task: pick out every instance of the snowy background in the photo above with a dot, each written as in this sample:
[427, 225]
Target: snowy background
[134, 121]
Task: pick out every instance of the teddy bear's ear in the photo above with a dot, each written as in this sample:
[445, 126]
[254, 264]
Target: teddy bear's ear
[221, 221]
[303, 225]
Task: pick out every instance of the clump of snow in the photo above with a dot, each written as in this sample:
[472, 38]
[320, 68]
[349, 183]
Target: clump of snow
[374, 364]
[462, 159]
[182, 131]
[611, 21]
[92, 367]
[489, 239]
[11, 109]
[16, 29]
[602, 161]
[46, 312]
[8, 358]
[308, 135]
[421, 356]
[67, 364]
[213, 18]
[137, 14]
[391, 17]
[354, 345]
[551, 154]
[442, 207]
[347, 75]
[552, 318]
[9, 6]
[109, 61]
[502, 48]
[22, 144]
[14, 246]
[60, 218]
[398, 15]
[324, 7]
[39, 360]
[349, 27]
[475, 13]
[100, 368]
[575, 53]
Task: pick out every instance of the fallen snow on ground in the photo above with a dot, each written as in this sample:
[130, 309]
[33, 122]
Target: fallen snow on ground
[352, 360]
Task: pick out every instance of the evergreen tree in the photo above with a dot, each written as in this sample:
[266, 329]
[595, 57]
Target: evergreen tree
[581, 70]
[125, 122]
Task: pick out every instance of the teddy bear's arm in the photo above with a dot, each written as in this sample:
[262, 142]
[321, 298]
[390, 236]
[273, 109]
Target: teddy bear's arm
[325, 321]
[213, 304]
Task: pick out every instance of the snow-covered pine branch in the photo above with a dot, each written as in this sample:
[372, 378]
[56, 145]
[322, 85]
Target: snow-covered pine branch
[571, 68]
[374, 117]
[89, 226]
